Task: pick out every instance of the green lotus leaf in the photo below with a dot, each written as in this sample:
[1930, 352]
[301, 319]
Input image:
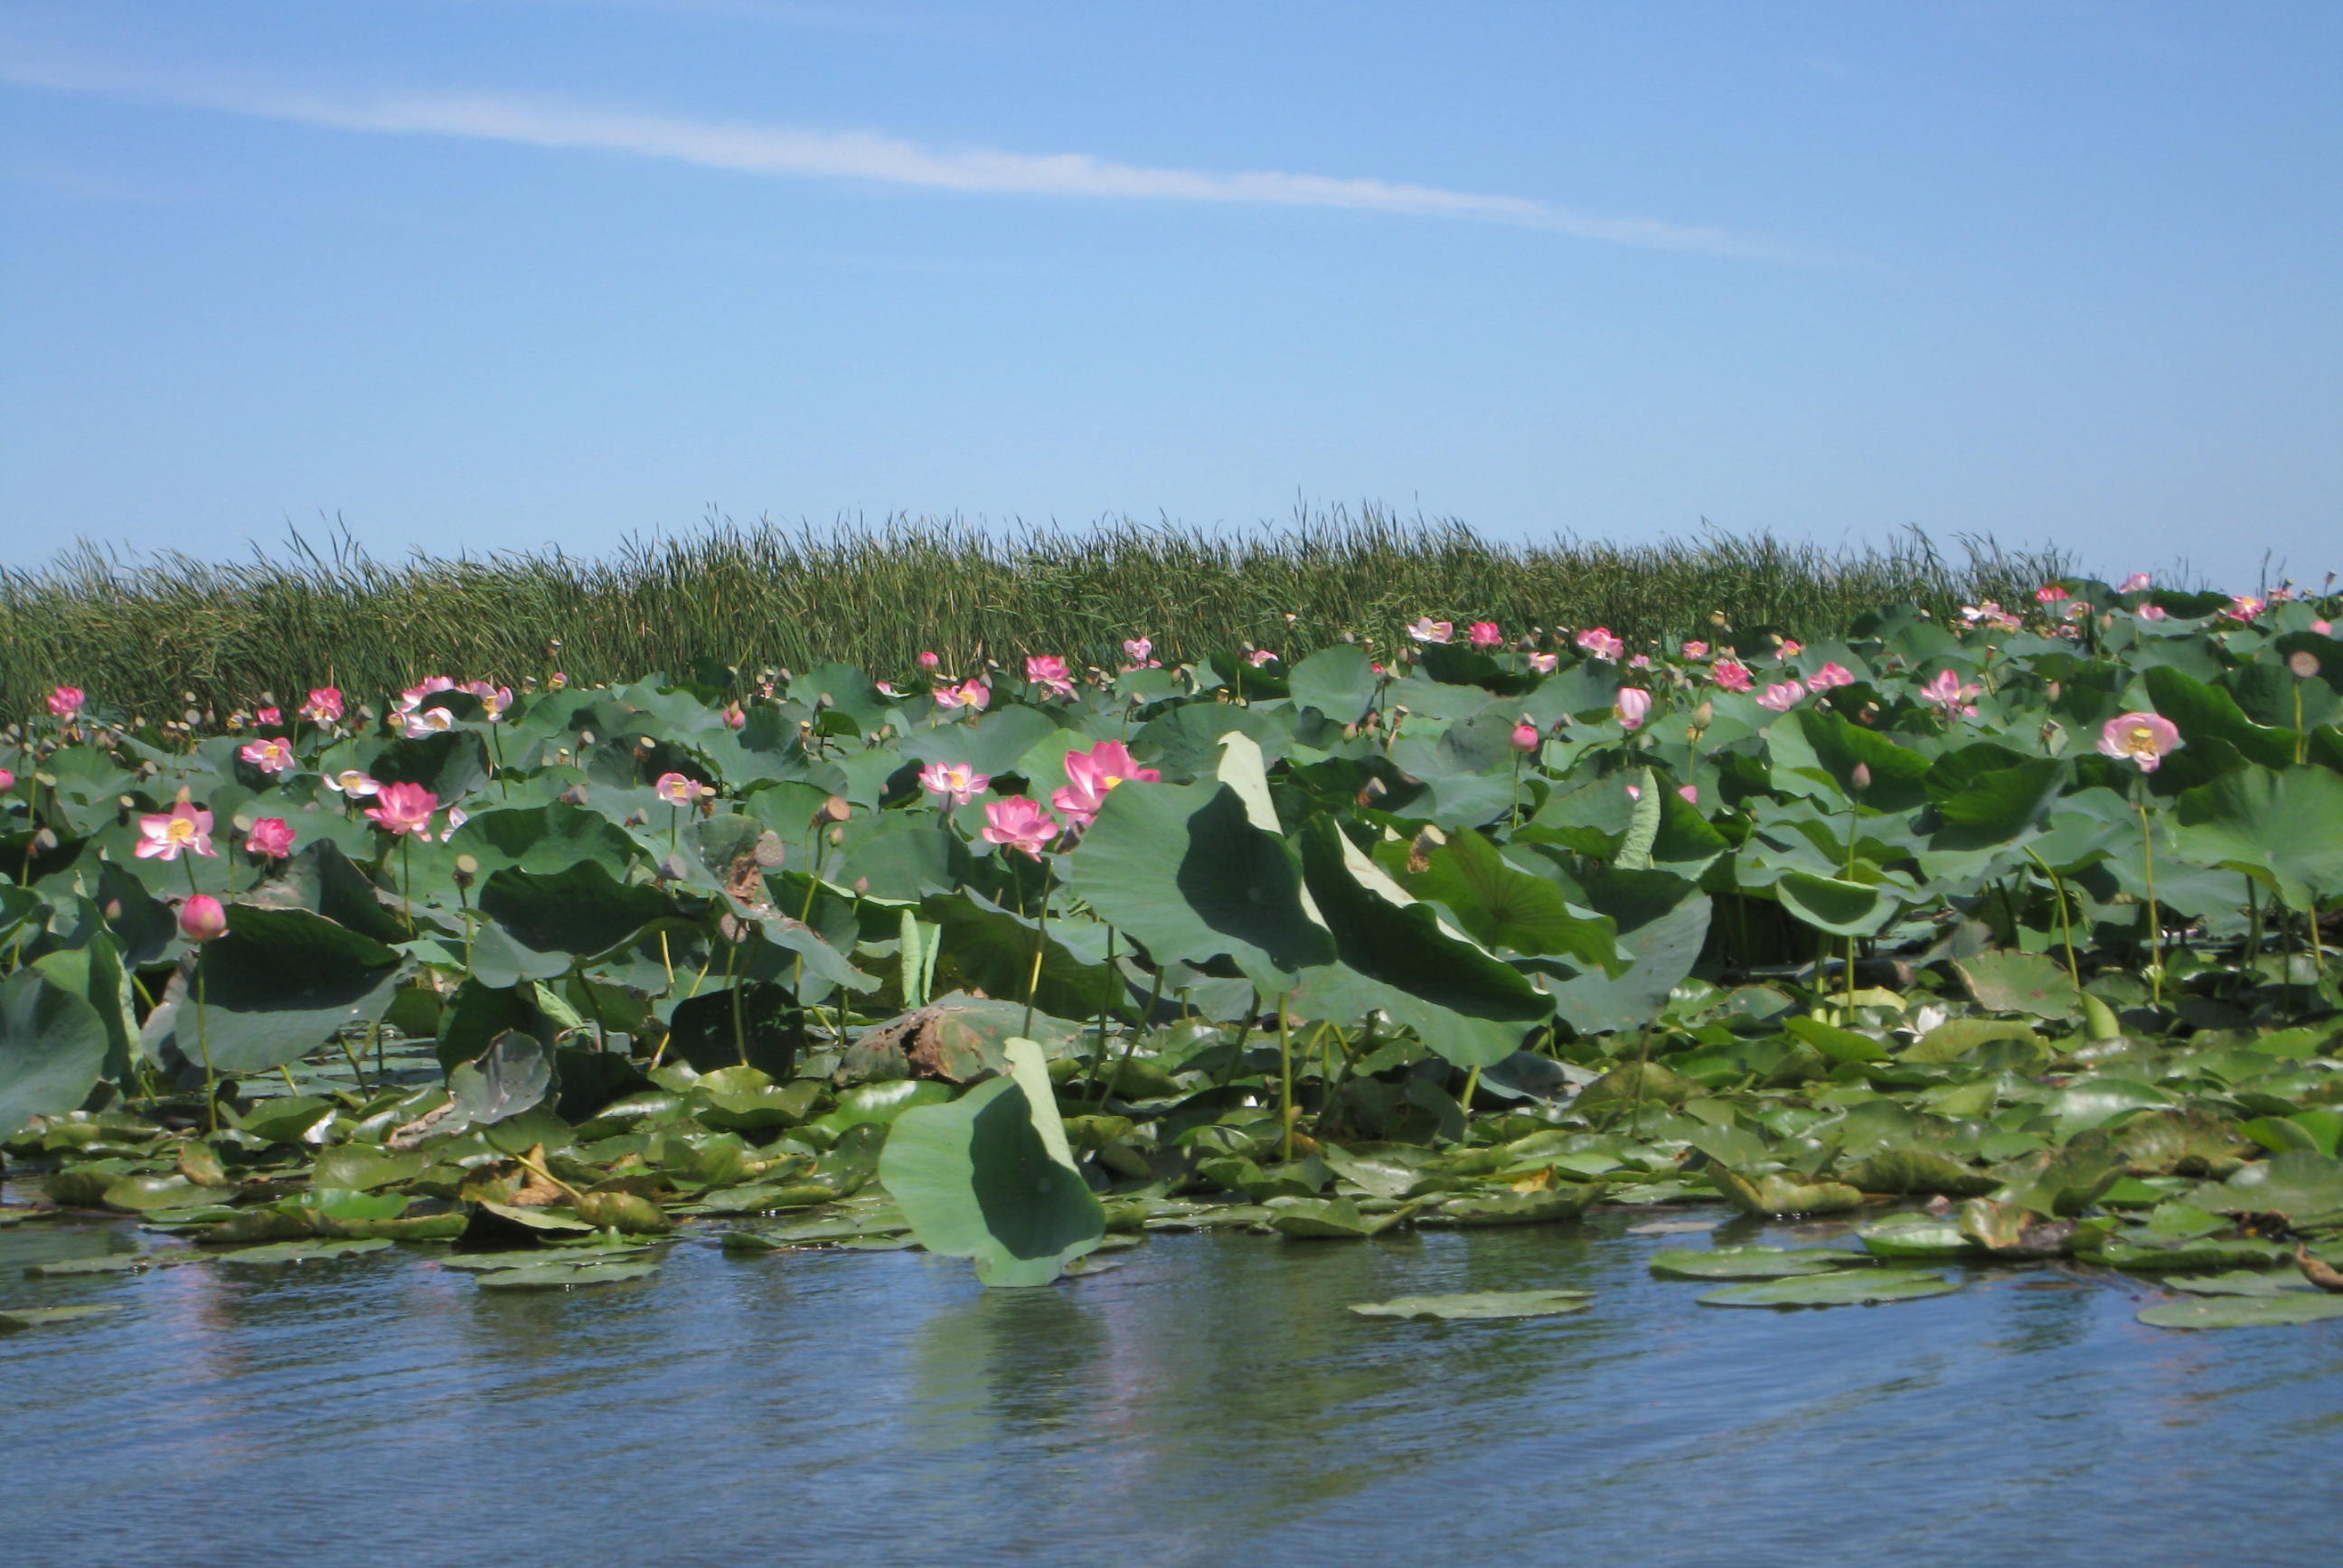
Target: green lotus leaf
[1481, 1305]
[1846, 1288]
[53, 1047]
[1746, 1263]
[2244, 1312]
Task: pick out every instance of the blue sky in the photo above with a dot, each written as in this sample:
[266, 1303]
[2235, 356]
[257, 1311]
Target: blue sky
[473, 273]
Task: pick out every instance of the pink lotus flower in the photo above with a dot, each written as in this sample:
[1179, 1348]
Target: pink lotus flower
[1092, 775]
[1634, 703]
[886, 688]
[2324, 629]
[1951, 693]
[2243, 608]
[268, 755]
[1545, 663]
[1427, 629]
[1525, 736]
[493, 700]
[1781, 696]
[1691, 792]
[680, 791]
[323, 705]
[2146, 739]
[427, 723]
[931, 661]
[7, 780]
[349, 781]
[1831, 675]
[2136, 583]
[1695, 650]
[167, 835]
[269, 716]
[430, 686]
[203, 918]
[1137, 649]
[271, 838]
[2049, 593]
[1987, 614]
[1483, 634]
[1791, 648]
[404, 809]
[1599, 642]
[958, 782]
[1047, 671]
[1017, 823]
[1259, 657]
[972, 694]
[1732, 674]
[66, 700]
[735, 716]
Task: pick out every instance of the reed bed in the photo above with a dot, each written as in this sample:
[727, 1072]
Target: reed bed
[144, 633]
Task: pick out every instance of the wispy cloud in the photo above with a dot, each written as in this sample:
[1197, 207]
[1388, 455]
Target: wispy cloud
[781, 151]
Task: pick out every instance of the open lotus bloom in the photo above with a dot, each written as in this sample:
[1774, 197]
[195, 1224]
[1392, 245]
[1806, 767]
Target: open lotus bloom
[1951, 693]
[271, 837]
[1427, 629]
[1485, 634]
[1781, 696]
[677, 790]
[1600, 643]
[404, 808]
[349, 781]
[1633, 707]
[1017, 823]
[1830, 675]
[1048, 672]
[958, 782]
[1091, 774]
[323, 705]
[2146, 739]
[1732, 674]
[167, 835]
[268, 755]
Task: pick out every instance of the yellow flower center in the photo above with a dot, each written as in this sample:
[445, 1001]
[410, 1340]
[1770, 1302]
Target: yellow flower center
[2139, 739]
[179, 830]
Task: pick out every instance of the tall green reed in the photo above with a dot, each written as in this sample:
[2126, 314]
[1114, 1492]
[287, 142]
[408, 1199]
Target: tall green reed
[145, 633]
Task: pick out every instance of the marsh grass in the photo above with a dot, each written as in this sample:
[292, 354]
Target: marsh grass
[140, 632]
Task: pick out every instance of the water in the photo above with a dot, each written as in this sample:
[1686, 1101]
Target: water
[1206, 1401]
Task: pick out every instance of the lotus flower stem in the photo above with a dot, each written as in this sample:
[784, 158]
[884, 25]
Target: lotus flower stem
[1106, 1000]
[204, 1047]
[2066, 925]
[2154, 915]
[1285, 1070]
[1041, 947]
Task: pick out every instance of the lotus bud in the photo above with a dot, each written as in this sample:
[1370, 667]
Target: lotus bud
[837, 837]
[931, 661]
[1861, 777]
[862, 887]
[1525, 736]
[202, 918]
[1705, 715]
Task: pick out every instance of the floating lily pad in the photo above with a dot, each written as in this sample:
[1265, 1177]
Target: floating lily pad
[1847, 1287]
[1517, 1208]
[1478, 1304]
[2240, 1282]
[538, 1258]
[111, 1263]
[1325, 1218]
[1746, 1263]
[302, 1252]
[1931, 1238]
[17, 1319]
[562, 1278]
[2242, 1312]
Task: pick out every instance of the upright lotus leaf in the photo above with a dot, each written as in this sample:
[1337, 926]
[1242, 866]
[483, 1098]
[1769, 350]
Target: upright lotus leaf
[1399, 957]
[991, 1178]
[1340, 682]
[1184, 743]
[2302, 1184]
[53, 1046]
[1996, 805]
[323, 877]
[513, 1075]
[985, 948]
[2011, 981]
[1182, 870]
[541, 923]
[1662, 921]
[545, 839]
[1836, 905]
[280, 985]
[1815, 752]
[1502, 907]
[846, 689]
[902, 856]
[2283, 829]
[451, 764]
[94, 971]
[2203, 712]
[991, 745]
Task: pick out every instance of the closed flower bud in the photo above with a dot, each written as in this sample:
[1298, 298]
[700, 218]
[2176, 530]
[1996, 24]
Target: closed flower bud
[203, 918]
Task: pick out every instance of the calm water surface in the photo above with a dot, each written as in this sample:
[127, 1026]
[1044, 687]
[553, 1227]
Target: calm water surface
[1206, 1401]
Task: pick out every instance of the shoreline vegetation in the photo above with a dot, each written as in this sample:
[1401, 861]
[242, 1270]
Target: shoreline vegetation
[161, 634]
[2007, 941]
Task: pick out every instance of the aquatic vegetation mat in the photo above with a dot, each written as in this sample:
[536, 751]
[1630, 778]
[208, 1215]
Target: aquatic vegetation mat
[1989, 938]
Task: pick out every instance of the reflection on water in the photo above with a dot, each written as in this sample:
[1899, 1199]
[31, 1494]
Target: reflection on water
[1206, 1401]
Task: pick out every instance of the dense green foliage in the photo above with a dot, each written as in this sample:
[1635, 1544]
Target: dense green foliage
[158, 635]
[2010, 924]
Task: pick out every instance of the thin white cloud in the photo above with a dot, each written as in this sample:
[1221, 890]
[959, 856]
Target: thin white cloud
[779, 151]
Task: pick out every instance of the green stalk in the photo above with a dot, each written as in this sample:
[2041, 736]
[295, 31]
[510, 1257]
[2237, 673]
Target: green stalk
[2154, 915]
[2066, 925]
[1285, 1070]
